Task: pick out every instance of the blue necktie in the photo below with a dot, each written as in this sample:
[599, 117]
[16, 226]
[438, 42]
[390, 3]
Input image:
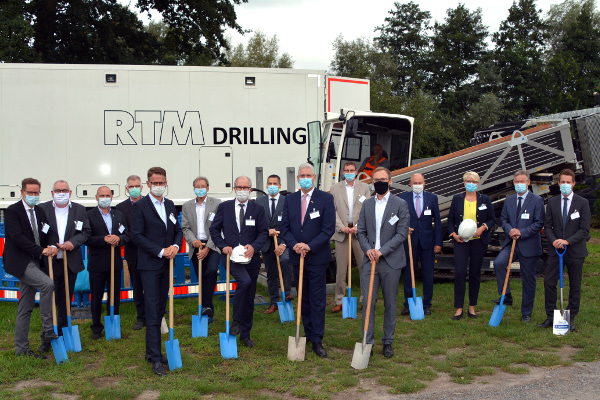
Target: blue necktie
[564, 215]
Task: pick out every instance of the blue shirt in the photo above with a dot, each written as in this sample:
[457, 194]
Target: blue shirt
[523, 196]
[107, 219]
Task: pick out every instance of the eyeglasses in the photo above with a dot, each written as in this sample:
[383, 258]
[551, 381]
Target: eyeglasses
[31, 193]
[61, 190]
[381, 180]
[157, 183]
[242, 188]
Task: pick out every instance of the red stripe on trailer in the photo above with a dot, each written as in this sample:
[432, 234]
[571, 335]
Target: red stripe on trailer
[1, 246]
[329, 80]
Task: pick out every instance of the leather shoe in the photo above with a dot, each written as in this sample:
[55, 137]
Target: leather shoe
[32, 354]
[207, 311]
[247, 342]
[457, 317]
[272, 308]
[49, 335]
[319, 349]
[427, 311]
[163, 359]
[405, 311]
[139, 325]
[158, 369]
[234, 329]
[525, 318]
[44, 347]
[337, 308]
[546, 324]
[289, 297]
[388, 351]
[508, 300]
[96, 335]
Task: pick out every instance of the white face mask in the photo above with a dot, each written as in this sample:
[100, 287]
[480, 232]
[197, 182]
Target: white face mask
[61, 198]
[242, 195]
[158, 191]
[418, 189]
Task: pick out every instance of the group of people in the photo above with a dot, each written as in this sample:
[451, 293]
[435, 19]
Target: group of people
[297, 226]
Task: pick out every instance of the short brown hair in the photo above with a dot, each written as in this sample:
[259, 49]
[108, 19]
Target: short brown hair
[352, 163]
[156, 171]
[389, 174]
[30, 181]
[567, 172]
[521, 172]
[134, 178]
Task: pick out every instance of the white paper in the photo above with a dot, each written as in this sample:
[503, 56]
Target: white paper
[78, 225]
[575, 215]
[211, 216]
[314, 214]
[172, 218]
[45, 228]
[427, 212]
[121, 228]
[483, 207]
[279, 218]
[362, 198]
[251, 222]
[525, 216]
[393, 220]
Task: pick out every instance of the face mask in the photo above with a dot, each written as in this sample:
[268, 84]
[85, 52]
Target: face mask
[350, 176]
[273, 190]
[135, 192]
[381, 187]
[520, 188]
[31, 200]
[104, 202]
[565, 189]
[158, 191]
[242, 195]
[418, 189]
[471, 187]
[305, 183]
[61, 198]
[200, 192]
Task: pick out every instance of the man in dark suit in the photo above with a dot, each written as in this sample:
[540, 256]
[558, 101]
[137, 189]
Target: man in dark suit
[273, 205]
[426, 239]
[307, 225]
[69, 220]
[241, 222]
[157, 233]
[108, 233]
[522, 218]
[27, 240]
[568, 219]
[134, 190]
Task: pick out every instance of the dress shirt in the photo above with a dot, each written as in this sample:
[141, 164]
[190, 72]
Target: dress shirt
[27, 208]
[160, 208]
[276, 201]
[62, 215]
[350, 195]
[200, 210]
[523, 196]
[420, 200]
[107, 219]
[237, 213]
[308, 197]
[379, 210]
[562, 202]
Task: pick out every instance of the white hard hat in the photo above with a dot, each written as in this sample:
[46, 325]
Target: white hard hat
[467, 229]
[237, 255]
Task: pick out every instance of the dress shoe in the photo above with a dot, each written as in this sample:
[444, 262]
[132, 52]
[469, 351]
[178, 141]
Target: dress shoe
[211, 320]
[319, 349]
[247, 342]
[457, 317]
[32, 354]
[572, 327]
[207, 311]
[158, 369]
[471, 315]
[163, 359]
[546, 324]
[234, 329]
[405, 311]
[96, 335]
[44, 347]
[49, 335]
[388, 351]
[525, 318]
[139, 325]
[427, 311]
[272, 308]
[508, 300]
[289, 297]
[337, 308]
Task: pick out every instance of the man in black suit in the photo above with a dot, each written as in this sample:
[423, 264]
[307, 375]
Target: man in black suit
[108, 232]
[27, 237]
[241, 222]
[134, 190]
[157, 233]
[568, 219]
[69, 220]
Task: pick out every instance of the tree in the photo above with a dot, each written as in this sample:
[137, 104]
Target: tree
[261, 51]
[16, 33]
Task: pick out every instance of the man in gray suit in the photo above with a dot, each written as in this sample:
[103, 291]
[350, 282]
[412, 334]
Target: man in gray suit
[273, 205]
[382, 229]
[197, 216]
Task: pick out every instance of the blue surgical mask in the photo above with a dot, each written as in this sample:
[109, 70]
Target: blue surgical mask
[305, 183]
[273, 190]
[471, 187]
[200, 192]
[31, 200]
[566, 189]
[104, 202]
[350, 176]
[520, 188]
[135, 192]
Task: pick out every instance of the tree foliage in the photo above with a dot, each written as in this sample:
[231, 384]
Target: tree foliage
[261, 51]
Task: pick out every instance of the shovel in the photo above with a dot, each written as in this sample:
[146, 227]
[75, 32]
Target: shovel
[500, 307]
[349, 303]
[228, 341]
[172, 346]
[297, 345]
[415, 304]
[362, 351]
[562, 317]
[70, 333]
[286, 309]
[112, 322]
[58, 345]
[199, 322]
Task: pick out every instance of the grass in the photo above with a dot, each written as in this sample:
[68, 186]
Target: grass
[464, 350]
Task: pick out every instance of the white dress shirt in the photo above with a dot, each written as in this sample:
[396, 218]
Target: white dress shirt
[276, 198]
[200, 211]
[27, 208]
[562, 202]
[160, 208]
[350, 196]
[237, 213]
[62, 215]
[379, 210]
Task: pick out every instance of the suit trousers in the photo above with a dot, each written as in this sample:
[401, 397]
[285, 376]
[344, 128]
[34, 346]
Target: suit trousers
[243, 301]
[59, 292]
[467, 255]
[427, 258]
[341, 258]
[138, 290]
[99, 281]
[389, 279]
[574, 266]
[528, 266]
[156, 293]
[273, 283]
[210, 266]
[314, 297]
[32, 279]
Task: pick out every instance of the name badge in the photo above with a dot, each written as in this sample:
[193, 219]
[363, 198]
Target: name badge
[46, 227]
[314, 214]
[575, 215]
[525, 216]
[211, 216]
[78, 225]
[393, 220]
[172, 218]
[362, 198]
[251, 222]
[121, 228]
[483, 207]
[427, 212]
[279, 218]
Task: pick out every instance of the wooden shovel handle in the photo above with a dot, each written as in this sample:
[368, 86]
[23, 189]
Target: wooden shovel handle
[410, 259]
[300, 280]
[227, 289]
[67, 294]
[349, 260]
[51, 273]
[171, 293]
[373, 263]
[279, 267]
[512, 252]
[200, 282]
[112, 274]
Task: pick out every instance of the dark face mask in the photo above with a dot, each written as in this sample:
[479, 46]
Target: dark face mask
[381, 187]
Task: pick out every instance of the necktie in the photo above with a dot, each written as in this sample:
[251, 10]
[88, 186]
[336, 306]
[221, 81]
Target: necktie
[564, 215]
[519, 207]
[36, 234]
[303, 209]
[241, 217]
[418, 207]
[272, 208]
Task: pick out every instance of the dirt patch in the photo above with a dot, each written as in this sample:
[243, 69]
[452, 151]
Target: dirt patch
[149, 395]
[131, 367]
[63, 396]
[34, 383]
[106, 383]
[566, 352]
[594, 241]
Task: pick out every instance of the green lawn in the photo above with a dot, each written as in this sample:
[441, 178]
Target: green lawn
[464, 349]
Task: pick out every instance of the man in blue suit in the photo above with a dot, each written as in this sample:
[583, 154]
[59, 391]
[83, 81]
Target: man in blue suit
[307, 226]
[157, 234]
[241, 222]
[426, 239]
[522, 218]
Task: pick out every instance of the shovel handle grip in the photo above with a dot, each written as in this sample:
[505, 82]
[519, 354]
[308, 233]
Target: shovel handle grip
[279, 266]
[561, 265]
[410, 259]
[300, 280]
[512, 253]
[371, 280]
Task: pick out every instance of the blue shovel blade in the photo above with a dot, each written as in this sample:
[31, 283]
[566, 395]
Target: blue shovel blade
[112, 327]
[228, 343]
[199, 326]
[497, 315]
[286, 311]
[173, 353]
[415, 306]
[59, 350]
[71, 338]
[349, 306]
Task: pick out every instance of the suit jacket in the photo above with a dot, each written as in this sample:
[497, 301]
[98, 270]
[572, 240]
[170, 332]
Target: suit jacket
[342, 209]
[77, 237]
[19, 243]
[150, 235]
[131, 250]
[224, 230]
[484, 215]
[428, 228]
[315, 232]
[99, 250]
[189, 222]
[577, 230]
[530, 242]
[273, 221]
[391, 235]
